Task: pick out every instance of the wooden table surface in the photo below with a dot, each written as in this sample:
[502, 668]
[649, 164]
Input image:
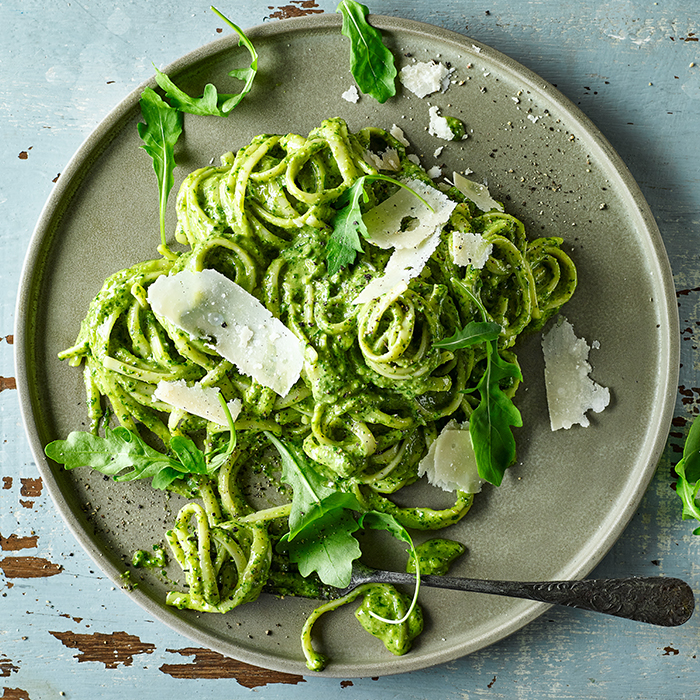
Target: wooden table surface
[632, 66]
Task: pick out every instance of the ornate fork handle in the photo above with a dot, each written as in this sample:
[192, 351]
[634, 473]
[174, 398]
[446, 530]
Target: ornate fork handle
[657, 600]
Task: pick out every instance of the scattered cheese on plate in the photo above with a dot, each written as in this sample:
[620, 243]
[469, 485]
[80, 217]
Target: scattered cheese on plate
[570, 391]
[439, 126]
[209, 306]
[425, 78]
[351, 94]
[450, 463]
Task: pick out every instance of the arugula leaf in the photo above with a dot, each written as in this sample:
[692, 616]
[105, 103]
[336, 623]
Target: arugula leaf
[125, 456]
[119, 450]
[371, 63]
[344, 242]
[211, 103]
[385, 521]
[688, 470]
[473, 333]
[376, 520]
[313, 496]
[328, 547]
[160, 133]
[217, 458]
[491, 421]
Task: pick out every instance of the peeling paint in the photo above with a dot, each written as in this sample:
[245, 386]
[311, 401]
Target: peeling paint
[31, 487]
[6, 482]
[211, 664]
[14, 543]
[7, 666]
[14, 694]
[298, 9]
[110, 649]
[7, 383]
[29, 567]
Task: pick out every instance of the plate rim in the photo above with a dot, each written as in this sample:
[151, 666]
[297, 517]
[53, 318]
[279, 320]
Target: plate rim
[95, 144]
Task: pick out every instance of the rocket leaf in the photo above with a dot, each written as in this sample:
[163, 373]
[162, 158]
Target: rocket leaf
[160, 133]
[371, 63]
[211, 103]
[490, 423]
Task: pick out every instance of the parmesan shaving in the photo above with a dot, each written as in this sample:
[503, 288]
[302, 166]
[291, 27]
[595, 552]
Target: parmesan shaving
[450, 463]
[468, 248]
[414, 245]
[403, 265]
[197, 399]
[479, 194]
[403, 210]
[570, 391]
[209, 306]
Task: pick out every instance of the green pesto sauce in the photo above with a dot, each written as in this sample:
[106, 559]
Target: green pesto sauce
[387, 602]
[435, 556]
[456, 127]
[157, 560]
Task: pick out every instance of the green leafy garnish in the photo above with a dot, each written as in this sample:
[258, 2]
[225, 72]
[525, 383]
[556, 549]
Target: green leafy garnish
[472, 334]
[160, 133]
[371, 63]
[163, 120]
[688, 470]
[344, 243]
[322, 521]
[314, 496]
[491, 421]
[125, 456]
[211, 103]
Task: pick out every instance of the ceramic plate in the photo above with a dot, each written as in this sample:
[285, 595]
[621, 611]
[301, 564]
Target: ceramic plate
[571, 493]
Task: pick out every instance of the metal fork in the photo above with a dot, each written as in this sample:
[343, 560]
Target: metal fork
[656, 600]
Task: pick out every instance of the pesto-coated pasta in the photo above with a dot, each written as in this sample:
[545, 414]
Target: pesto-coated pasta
[374, 391]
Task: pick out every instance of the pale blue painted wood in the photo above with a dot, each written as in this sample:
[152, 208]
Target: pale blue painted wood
[626, 63]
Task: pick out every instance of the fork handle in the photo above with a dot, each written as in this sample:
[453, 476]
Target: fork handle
[657, 600]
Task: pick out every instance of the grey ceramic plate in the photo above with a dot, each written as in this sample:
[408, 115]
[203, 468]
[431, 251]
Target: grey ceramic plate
[572, 492]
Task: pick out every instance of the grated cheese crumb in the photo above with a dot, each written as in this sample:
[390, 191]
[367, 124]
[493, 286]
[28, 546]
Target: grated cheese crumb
[351, 94]
[425, 78]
